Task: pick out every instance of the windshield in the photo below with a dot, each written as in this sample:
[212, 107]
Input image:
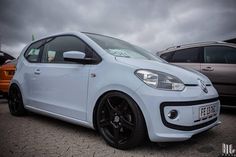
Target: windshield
[120, 48]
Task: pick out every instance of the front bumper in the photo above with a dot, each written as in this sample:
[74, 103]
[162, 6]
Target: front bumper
[187, 109]
[156, 104]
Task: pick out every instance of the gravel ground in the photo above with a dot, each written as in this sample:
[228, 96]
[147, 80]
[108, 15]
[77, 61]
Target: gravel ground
[36, 135]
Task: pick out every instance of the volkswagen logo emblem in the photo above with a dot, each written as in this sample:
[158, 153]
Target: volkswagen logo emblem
[203, 85]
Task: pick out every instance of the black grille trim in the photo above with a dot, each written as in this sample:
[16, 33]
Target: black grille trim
[186, 103]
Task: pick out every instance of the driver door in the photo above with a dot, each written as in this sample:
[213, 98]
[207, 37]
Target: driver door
[62, 85]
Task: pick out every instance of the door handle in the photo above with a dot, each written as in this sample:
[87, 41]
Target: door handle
[208, 69]
[37, 72]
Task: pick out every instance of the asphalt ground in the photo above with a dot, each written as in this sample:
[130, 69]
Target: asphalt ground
[37, 135]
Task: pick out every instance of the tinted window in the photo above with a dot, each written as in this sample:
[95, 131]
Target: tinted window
[33, 52]
[167, 56]
[220, 54]
[55, 47]
[190, 55]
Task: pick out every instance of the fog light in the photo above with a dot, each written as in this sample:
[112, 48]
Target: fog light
[173, 114]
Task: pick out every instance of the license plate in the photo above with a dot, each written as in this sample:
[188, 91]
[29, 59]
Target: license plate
[207, 111]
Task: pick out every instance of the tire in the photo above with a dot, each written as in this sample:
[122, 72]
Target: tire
[120, 121]
[15, 101]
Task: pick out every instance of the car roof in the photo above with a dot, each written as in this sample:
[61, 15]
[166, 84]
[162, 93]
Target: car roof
[57, 34]
[68, 33]
[199, 44]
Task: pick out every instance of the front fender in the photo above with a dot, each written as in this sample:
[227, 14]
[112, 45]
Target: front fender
[93, 101]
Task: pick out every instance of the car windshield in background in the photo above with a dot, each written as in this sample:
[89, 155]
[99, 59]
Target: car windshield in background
[119, 48]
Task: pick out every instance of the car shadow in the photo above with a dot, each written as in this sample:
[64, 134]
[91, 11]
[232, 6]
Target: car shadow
[228, 105]
[195, 142]
[146, 146]
[3, 100]
[228, 110]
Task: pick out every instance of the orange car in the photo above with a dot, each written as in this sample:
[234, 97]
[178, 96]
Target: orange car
[6, 74]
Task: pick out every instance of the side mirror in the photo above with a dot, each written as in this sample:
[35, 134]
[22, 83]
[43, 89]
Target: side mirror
[73, 55]
[79, 57]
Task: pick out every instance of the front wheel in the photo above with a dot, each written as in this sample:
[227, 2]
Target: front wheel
[15, 101]
[120, 121]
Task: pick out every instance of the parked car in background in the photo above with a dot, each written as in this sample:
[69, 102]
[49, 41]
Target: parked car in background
[110, 85]
[232, 40]
[4, 57]
[7, 71]
[217, 60]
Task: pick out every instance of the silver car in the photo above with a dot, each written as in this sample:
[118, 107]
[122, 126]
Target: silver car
[217, 60]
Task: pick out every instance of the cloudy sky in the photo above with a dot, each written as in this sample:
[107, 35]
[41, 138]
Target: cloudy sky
[152, 24]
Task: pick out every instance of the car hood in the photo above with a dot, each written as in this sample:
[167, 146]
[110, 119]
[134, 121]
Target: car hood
[188, 76]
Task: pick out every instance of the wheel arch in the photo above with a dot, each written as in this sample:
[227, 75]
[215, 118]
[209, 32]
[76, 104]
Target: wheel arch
[15, 82]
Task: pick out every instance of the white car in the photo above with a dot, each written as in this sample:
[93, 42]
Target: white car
[119, 89]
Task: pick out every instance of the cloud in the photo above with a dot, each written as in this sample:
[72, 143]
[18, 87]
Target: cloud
[152, 24]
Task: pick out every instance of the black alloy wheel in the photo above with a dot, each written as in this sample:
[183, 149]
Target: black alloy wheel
[15, 101]
[120, 121]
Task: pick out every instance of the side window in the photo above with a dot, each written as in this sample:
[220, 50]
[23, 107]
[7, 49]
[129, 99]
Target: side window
[190, 55]
[167, 56]
[33, 52]
[55, 47]
[220, 54]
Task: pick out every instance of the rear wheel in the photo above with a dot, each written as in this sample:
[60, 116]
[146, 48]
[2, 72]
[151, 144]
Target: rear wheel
[120, 121]
[15, 101]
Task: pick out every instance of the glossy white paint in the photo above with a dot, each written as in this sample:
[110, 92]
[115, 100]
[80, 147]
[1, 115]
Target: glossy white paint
[69, 91]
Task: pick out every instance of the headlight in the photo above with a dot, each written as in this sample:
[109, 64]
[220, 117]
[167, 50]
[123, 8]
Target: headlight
[160, 80]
